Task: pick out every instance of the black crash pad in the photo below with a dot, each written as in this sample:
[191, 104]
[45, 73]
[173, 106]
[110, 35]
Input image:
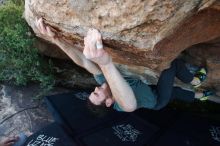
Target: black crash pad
[192, 130]
[143, 127]
[130, 131]
[111, 129]
[51, 135]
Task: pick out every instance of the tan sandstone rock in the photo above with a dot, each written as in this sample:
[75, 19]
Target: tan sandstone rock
[142, 36]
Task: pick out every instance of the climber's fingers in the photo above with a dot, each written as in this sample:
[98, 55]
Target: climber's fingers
[40, 25]
[50, 33]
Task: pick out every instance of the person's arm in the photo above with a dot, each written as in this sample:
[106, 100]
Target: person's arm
[121, 90]
[9, 142]
[72, 51]
[78, 57]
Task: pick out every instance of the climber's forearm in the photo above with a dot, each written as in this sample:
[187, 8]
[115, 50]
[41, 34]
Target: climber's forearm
[121, 90]
[78, 57]
[72, 52]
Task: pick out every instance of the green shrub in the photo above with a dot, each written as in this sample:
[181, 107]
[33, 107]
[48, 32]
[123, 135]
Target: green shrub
[19, 60]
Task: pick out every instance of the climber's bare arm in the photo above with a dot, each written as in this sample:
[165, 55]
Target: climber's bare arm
[72, 51]
[78, 57]
[121, 90]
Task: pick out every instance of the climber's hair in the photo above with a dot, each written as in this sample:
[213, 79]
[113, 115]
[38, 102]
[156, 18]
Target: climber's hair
[98, 110]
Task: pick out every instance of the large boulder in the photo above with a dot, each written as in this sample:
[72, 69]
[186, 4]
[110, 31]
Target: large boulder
[143, 36]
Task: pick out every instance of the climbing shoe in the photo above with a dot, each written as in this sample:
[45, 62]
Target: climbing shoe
[206, 94]
[201, 74]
